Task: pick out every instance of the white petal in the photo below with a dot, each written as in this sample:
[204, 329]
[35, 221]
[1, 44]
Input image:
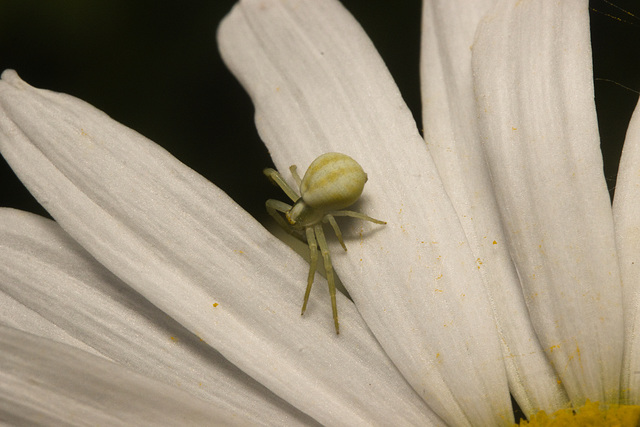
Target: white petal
[318, 85]
[47, 383]
[46, 271]
[452, 135]
[190, 250]
[626, 214]
[532, 68]
[19, 316]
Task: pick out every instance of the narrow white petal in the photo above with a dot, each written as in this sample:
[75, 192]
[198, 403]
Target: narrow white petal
[17, 315]
[318, 85]
[626, 214]
[190, 250]
[46, 271]
[43, 382]
[452, 136]
[533, 76]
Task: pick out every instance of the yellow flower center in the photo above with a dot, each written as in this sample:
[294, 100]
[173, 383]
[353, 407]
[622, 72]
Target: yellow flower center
[591, 414]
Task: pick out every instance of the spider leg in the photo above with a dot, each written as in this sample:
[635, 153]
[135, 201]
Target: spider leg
[275, 206]
[294, 173]
[358, 215]
[324, 249]
[275, 177]
[313, 252]
[329, 218]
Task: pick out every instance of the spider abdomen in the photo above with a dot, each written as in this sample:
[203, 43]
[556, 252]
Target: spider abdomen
[332, 182]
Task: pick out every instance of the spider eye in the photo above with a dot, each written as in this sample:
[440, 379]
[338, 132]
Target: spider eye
[332, 182]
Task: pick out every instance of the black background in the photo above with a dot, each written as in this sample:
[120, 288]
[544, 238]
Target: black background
[154, 66]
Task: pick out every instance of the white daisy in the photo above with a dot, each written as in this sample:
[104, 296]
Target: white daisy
[163, 274]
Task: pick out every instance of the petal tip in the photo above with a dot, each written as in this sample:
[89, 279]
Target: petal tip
[10, 76]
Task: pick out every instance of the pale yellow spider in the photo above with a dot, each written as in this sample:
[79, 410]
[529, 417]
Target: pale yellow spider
[333, 182]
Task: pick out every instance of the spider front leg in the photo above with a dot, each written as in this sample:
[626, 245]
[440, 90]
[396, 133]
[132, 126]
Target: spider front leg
[314, 233]
[326, 256]
[275, 206]
[331, 220]
[313, 254]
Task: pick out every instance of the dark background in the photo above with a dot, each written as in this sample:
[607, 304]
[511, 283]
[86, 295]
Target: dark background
[154, 66]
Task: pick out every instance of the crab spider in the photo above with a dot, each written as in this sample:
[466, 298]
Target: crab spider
[333, 182]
